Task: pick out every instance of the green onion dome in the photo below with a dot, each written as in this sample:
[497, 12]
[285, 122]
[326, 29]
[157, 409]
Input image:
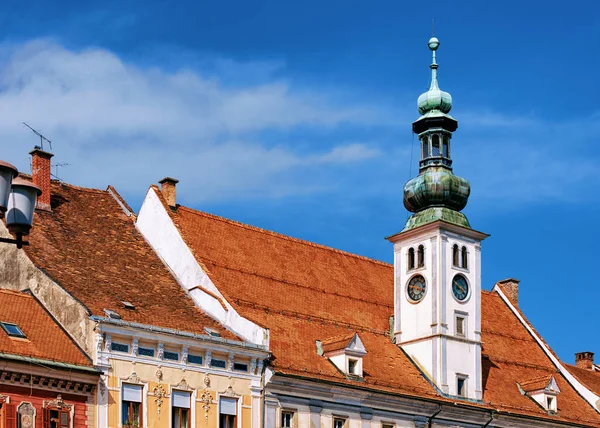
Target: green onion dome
[436, 187]
[434, 98]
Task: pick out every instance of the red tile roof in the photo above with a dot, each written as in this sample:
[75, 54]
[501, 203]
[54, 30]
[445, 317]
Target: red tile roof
[89, 246]
[337, 342]
[589, 378]
[45, 339]
[304, 292]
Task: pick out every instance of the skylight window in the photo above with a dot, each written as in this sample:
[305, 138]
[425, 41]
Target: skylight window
[212, 332]
[127, 305]
[12, 330]
[112, 314]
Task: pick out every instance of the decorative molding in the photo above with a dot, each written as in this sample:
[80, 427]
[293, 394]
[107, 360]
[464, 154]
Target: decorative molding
[253, 364]
[132, 378]
[183, 385]
[229, 392]
[159, 374]
[102, 384]
[134, 346]
[184, 355]
[161, 351]
[208, 358]
[58, 403]
[99, 342]
[261, 363]
[159, 395]
[230, 361]
[108, 343]
[206, 399]
[26, 414]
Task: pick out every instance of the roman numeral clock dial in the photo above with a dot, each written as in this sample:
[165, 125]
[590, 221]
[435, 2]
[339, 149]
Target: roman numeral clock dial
[416, 288]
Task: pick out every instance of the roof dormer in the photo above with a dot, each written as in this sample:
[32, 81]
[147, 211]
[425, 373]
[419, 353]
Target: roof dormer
[543, 390]
[345, 352]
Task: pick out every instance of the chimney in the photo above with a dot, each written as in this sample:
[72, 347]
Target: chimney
[584, 360]
[40, 175]
[510, 287]
[169, 190]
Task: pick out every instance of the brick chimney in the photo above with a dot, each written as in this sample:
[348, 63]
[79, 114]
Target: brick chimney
[40, 175]
[169, 190]
[584, 360]
[510, 287]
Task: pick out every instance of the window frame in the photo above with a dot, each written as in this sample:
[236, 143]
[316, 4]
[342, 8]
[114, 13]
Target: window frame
[465, 382]
[181, 409]
[130, 406]
[5, 326]
[226, 415]
[292, 418]
[342, 419]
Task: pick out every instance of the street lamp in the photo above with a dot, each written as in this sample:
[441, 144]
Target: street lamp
[17, 203]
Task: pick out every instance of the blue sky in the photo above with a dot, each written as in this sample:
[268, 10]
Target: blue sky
[296, 116]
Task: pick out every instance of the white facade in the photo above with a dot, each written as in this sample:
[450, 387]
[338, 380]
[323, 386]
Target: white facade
[440, 332]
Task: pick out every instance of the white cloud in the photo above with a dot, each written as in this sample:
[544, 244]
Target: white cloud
[117, 123]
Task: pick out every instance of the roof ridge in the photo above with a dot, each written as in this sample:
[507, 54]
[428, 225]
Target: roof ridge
[21, 293]
[281, 235]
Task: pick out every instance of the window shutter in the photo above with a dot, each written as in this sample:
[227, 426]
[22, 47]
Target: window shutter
[46, 421]
[181, 399]
[228, 406]
[10, 416]
[132, 393]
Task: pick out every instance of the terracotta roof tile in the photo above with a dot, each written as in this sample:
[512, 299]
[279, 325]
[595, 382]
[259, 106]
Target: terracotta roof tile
[589, 378]
[45, 339]
[337, 342]
[92, 249]
[305, 292]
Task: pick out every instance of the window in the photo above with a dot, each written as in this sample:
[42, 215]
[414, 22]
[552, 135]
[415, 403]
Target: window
[180, 413]
[460, 325]
[411, 258]
[119, 347]
[240, 367]
[421, 256]
[455, 255]
[195, 359]
[131, 404]
[435, 145]
[173, 356]
[464, 257]
[227, 412]
[146, 352]
[549, 403]
[12, 330]
[57, 418]
[461, 386]
[445, 147]
[352, 366]
[424, 151]
[219, 364]
[339, 422]
[287, 419]
[387, 425]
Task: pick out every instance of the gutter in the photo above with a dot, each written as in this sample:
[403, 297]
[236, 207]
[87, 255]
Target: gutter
[430, 419]
[179, 333]
[43, 362]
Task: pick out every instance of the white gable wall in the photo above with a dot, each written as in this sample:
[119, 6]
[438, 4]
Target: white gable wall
[158, 229]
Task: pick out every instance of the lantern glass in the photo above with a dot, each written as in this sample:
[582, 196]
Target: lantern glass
[7, 173]
[21, 205]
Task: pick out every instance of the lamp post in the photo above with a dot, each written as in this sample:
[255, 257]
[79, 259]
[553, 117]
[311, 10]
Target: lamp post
[17, 203]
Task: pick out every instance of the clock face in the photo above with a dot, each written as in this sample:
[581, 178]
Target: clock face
[460, 287]
[416, 288]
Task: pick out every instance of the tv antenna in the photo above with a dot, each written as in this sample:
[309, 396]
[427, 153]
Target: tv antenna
[56, 166]
[42, 138]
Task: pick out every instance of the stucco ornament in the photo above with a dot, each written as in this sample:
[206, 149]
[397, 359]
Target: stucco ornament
[133, 378]
[206, 399]
[161, 351]
[102, 384]
[159, 374]
[159, 395]
[134, 347]
[183, 385]
[58, 403]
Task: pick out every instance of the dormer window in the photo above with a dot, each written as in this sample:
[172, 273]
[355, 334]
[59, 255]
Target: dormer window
[346, 353]
[543, 390]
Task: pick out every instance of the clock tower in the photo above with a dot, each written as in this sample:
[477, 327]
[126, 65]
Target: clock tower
[437, 259]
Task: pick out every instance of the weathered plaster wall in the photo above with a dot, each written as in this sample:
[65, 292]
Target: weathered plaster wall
[17, 272]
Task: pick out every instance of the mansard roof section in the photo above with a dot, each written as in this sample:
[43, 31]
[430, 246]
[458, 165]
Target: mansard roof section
[42, 338]
[305, 293]
[89, 245]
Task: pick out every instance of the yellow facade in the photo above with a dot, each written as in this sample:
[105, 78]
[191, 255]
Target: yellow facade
[206, 387]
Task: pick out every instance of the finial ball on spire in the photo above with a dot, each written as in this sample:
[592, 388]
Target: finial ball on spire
[433, 44]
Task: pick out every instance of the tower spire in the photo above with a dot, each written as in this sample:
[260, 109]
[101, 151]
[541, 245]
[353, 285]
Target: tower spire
[436, 193]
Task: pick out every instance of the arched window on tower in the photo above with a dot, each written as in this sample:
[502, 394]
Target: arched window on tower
[424, 148]
[421, 256]
[464, 257]
[435, 145]
[455, 255]
[445, 147]
[411, 258]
